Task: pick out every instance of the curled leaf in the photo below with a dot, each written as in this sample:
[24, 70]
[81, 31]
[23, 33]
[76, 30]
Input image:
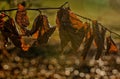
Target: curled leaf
[111, 46]
[98, 39]
[21, 18]
[11, 32]
[71, 29]
[37, 24]
[88, 42]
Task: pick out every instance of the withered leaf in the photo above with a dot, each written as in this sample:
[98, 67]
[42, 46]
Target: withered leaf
[88, 42]
[98, 39]
[42, 28]
[22, 19]
[111, 46]
[71, 28]
[11, 32]
[38, 23]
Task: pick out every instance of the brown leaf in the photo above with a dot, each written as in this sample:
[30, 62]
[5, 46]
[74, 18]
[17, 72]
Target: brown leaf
[98, 39]
[11, 32]
[2, 15]
[45, 31]
[111, 46]
[88, 42]
[37, 24]
[43, 39]
[63, 24]
[103, 33]
[75, 21]
[22, 19]
[71, 29]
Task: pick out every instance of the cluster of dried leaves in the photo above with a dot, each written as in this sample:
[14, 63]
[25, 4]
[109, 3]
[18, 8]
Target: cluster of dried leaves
[73, 30]
[41, 29]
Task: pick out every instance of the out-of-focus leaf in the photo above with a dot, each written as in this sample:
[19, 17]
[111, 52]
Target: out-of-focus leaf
[71, 29]
[45, 31]
[63, 24]
[98, 39]
[77, 38]
[38, 23]
[11, 32]
[103, 33]
[43, 39]
[88, 42]
[111, 46]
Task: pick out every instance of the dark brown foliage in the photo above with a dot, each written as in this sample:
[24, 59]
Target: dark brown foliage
[22, 18]
[38, 23]
[42, 27]
[111, 46]
[98, 39]
[9, 31]
[69, 28]
[88, 42]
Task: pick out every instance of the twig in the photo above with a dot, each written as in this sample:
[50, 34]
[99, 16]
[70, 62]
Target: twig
[31, 9]
[63, 4]
[36, 9]
[109, 30]
[83, 17]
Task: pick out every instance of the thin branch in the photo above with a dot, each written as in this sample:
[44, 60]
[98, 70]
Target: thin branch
[36, 9]
[109, 30]
[83, 17]
[31, 9]
[63, 4]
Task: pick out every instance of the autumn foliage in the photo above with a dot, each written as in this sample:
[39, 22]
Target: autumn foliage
[71, 29]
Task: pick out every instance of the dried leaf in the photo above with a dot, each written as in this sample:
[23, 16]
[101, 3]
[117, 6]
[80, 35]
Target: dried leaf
[45, 31]
[98, 39]
[11, 32]
[71, 29]
[22, 19]
[37, 24]
[88, 41]
[43, 39]
[63, 23]
[64, 37]
[76, 23]
[2, 20]
[77, 38]
[103, 33]
[111, 46]
[24, 46]
[36, 34]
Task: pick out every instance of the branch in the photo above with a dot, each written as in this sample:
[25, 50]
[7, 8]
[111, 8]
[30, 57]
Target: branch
[83, 17]
[109, 30]
[63, 4]
[31, 9]
[36, 9]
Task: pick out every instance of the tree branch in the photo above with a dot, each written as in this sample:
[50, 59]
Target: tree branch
[36, 9]
[31, 9]
[109, 30]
